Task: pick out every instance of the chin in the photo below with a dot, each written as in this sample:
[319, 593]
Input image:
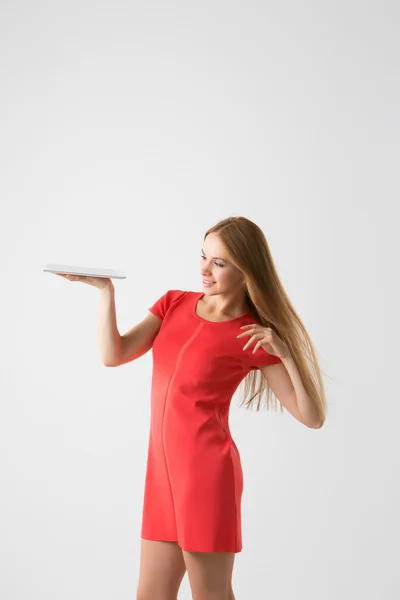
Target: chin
[208, 290]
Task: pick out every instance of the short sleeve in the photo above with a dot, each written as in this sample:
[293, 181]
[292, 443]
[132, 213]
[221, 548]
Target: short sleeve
[261, 358]
[163, 304]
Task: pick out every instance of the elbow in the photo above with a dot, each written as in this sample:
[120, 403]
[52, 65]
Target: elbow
[111, 363]
[115, 359]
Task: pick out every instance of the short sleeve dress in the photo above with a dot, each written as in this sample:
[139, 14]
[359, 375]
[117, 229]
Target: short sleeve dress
[194, 482]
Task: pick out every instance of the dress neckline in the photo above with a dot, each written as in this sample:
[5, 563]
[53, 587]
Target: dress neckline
[200, 295]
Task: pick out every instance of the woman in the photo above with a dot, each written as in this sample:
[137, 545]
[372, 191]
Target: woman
[242, 326]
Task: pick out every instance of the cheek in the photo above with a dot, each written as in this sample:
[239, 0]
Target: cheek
[221, 275]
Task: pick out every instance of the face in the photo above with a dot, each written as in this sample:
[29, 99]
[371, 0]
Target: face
[217, 267]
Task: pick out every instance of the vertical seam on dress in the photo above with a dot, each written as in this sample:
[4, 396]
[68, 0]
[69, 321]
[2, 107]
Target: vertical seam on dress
[234, 497]
[162, 419]
[233, 476]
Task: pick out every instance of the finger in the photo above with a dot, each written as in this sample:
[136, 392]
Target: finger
[256, 347]
[70, 277]
[251, 340]
[256, 336]
[248, 332]
[74, 277]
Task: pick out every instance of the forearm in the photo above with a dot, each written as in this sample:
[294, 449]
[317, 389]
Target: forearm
[108, 334]
[307, 408]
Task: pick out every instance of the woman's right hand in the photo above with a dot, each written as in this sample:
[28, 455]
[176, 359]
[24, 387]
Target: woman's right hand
[100, 283]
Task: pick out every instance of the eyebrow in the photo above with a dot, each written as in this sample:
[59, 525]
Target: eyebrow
[215, 257]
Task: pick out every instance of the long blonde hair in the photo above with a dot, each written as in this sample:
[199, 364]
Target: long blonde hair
[265, 294]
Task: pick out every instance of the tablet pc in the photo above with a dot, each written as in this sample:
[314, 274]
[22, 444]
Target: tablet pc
[88, 271]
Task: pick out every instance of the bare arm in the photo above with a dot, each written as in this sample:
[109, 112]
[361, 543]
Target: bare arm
[138, 340]
[116, 349]
[108, 334]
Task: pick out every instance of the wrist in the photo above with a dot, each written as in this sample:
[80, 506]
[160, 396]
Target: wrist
[107, 287]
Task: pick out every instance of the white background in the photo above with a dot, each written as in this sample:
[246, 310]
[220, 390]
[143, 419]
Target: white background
[128, 129]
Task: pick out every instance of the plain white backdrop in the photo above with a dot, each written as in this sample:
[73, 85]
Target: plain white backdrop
[128, 129]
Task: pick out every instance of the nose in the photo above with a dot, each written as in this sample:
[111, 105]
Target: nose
[205, 273]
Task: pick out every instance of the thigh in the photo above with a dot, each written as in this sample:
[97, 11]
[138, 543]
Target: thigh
[210, 574]
[161, 570]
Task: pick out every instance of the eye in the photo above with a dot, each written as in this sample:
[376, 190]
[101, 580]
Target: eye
[215, 263]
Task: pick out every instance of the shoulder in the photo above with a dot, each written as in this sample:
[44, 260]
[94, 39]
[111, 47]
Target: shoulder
[173, 295]
[166, 301]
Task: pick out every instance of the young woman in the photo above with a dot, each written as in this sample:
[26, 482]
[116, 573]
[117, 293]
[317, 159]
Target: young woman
[242, 326]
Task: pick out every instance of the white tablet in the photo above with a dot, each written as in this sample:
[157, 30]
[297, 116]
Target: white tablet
[88, 271]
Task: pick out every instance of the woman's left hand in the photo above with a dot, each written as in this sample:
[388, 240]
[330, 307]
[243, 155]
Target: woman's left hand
[266, 339]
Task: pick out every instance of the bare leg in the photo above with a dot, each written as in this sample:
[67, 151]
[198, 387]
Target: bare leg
[161, 570]
[210, 574]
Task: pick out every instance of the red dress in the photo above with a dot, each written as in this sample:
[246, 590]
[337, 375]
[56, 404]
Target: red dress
[194, 480]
